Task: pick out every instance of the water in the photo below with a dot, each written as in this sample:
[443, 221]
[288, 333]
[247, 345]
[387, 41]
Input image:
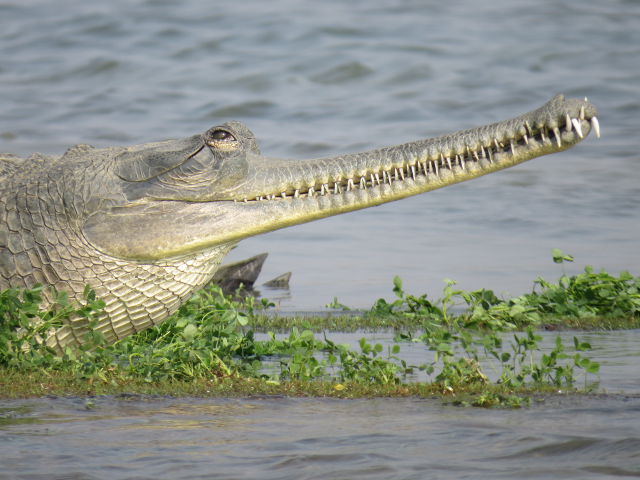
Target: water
[321, 78]
[285, 438]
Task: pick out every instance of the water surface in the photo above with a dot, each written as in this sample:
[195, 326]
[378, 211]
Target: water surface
[284, 438]
[320, 78]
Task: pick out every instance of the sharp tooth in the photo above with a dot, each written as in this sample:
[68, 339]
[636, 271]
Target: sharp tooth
[542, 135]
[311, 192]
[259, 198]
[284, 194]
[513, 147]
[363, 183]
[496, 143]
[556, 132]
[296, 194]
[424, 167]
[435, 168]
[582, 112]
[336, 187]
[577, 126]
[413, 172]
[475, 156]
[567, 122]
[401, 173]
[489, 155]
[350, 185]
[245, 200]
[377, 178]
[525, 138]
[449, 163]
[528, 127]
[482, 152]
[596, 126]
[395, 172]
[322, 189]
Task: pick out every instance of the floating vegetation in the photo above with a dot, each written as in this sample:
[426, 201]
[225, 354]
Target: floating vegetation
[210, 346]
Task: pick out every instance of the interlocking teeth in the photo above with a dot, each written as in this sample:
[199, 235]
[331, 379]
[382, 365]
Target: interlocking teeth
[556, 132]
[576, 124]
[596, 126]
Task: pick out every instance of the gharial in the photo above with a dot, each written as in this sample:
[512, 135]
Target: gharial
[146, 225]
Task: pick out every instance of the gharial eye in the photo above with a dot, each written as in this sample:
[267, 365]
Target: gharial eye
[221, 136]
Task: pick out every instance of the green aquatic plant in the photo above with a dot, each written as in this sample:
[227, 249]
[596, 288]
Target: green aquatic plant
[583, 299]
[462, 356]
[470, 342]
[24, 327]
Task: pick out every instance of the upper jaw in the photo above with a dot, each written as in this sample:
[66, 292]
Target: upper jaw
[556, 126]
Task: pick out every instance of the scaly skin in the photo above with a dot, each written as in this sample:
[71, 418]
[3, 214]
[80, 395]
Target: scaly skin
[147, 225]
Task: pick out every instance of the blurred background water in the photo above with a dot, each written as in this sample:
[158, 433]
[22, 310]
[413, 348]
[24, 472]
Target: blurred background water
[321, 78]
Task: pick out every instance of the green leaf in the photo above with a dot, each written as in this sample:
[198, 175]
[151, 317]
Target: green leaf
[189, 332]
[559, 256]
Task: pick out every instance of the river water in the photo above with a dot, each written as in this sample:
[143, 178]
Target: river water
[321, 78]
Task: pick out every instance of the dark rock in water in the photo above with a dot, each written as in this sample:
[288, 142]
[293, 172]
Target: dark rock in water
[229, 277]
[281, 281]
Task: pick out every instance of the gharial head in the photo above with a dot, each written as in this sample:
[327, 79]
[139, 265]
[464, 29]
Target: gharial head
[200, 168]
[217, 188]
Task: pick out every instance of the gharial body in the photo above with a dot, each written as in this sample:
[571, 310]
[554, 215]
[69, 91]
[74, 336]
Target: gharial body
[146, 225]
